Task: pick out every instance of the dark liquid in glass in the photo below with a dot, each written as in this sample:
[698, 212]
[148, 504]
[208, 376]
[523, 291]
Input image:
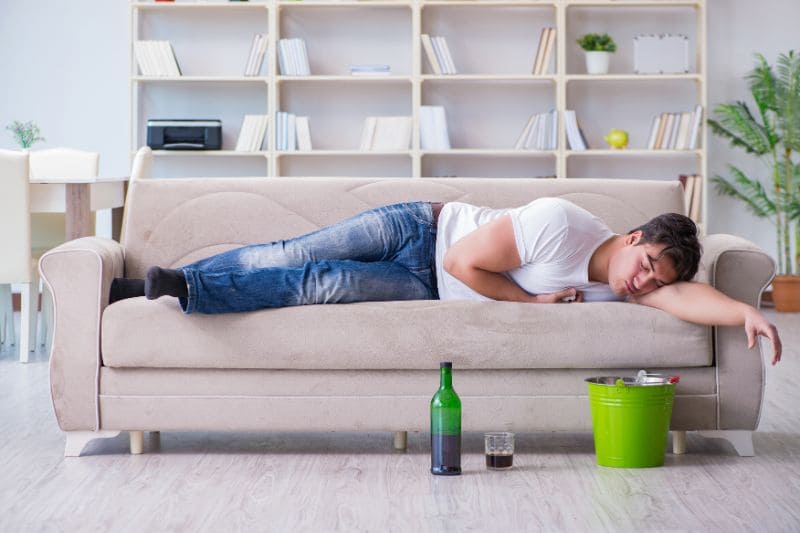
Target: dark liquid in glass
[499, 461]
[446, 455]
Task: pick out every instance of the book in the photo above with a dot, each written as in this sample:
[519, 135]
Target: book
[697, 199]
[683, 131]
[550, 45]
[447, 59]
[291, 132]
[574, 135]
[697, 121]
[523, 137]
[688, 191]
[251, 57]
[368, 133]
[392, 133]
[303, 134]
[259, 58]
[668, 129]
[651, 142]
[433, 133]
[433, 61]
[540, 50]
[662, 126]
[170, 60]
[439, 51]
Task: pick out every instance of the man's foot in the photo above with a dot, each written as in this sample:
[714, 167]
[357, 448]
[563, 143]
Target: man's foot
[122, 288]
[165, 282]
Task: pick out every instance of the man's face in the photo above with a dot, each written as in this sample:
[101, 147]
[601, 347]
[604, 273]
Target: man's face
[637, 270]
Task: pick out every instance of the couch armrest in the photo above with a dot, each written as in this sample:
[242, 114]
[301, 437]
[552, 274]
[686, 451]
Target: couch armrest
[742, 271]
[78, 274]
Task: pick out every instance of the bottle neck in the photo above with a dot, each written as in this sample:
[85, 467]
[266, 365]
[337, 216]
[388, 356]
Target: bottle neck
[446, 381]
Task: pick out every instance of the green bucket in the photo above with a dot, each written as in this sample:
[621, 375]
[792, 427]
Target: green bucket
[631, 419]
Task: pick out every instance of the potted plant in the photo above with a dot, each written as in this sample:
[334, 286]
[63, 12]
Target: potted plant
[25, 134]
[598, 51]
[773, 135]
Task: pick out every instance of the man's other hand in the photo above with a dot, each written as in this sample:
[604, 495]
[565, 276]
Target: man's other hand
[756, 324]
[570, 295]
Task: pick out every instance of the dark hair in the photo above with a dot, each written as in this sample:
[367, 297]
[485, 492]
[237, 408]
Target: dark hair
[679, 234]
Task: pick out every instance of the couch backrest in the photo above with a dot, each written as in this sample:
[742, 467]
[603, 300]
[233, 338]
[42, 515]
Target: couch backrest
[172, 222]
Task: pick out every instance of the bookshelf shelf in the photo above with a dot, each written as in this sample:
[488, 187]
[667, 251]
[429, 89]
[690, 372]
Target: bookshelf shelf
[487, 104]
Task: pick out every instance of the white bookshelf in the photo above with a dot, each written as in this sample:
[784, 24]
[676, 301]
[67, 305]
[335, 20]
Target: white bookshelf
[493, 44]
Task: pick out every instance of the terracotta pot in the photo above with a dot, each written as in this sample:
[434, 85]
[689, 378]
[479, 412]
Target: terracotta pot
[786, 293]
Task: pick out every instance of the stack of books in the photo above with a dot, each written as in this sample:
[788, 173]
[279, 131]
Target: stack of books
[433, 128]
[438, 54]
[540, 133]
[386, 134]
[370, 70]
[575, 137]
[544, 54]
[676, 131]
[251, 136]
[256, 57]
[156, 58]
[692, 195]
[293, 57]
[292, 132]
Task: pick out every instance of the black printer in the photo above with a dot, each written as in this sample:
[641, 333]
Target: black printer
[194, 134]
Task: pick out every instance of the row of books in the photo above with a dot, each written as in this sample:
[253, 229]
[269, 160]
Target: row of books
[692, 194]
[544, 54]
[293, 57]
[292, 132]
[676, 131]
[252, 134]
[156, 58]
[539, 133]
[386, 133]
[575, 137]
[438, 54]
[433, 128]
[256, 57]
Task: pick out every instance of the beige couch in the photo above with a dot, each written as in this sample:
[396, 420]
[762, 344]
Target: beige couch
[141, 365]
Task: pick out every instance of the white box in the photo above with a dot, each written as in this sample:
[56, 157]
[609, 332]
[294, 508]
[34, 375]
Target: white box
[661, 54]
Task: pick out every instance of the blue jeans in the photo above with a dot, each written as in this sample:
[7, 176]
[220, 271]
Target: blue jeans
[383, 254]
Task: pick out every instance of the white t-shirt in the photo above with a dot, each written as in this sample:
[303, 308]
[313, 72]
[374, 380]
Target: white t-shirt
[555, 239]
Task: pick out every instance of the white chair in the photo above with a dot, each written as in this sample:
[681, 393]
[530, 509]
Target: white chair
[17, 265]
[55, 163]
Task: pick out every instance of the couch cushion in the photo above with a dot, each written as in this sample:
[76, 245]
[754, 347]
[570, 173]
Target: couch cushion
[402, 335]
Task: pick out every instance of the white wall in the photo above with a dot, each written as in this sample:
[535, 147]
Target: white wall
[65, 66]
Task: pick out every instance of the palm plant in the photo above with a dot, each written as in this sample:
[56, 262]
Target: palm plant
[774, 137]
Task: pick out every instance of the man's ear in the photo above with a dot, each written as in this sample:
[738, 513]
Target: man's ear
[633, 238]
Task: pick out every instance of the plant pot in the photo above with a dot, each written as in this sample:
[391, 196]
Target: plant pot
[597, 62]
[786, 293]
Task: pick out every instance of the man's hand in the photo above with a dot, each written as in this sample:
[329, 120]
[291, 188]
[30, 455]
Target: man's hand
[570, 295]
[756, 324]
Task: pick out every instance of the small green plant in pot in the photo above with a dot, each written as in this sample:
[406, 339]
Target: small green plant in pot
[598, 48]
[25, 134]
[773, 136]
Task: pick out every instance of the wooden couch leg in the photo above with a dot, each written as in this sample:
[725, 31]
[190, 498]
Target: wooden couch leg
[400, 440]
[678, 442]
[137, 442]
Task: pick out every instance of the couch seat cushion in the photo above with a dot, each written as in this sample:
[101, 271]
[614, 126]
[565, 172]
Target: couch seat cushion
[137, 333]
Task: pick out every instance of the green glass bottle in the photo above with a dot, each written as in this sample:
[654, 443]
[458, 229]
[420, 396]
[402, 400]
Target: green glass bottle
[446, 426]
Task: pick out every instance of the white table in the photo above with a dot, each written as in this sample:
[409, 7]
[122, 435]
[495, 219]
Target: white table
[78, 198]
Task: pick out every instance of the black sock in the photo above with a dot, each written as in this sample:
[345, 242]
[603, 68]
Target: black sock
[122, 288]
[164, 282]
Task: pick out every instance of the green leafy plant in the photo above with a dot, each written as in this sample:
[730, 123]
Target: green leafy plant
[25, 134]
[773, 135]
[595, 42]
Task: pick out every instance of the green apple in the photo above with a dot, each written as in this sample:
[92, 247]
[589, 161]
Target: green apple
[617, 138]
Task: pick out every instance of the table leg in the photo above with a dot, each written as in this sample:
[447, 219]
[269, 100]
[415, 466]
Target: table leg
[79, 214]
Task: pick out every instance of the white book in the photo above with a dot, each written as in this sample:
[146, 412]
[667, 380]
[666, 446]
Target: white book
[532, 132]
[520, 144]
[257, 56]
[294, 57]
[544, 132]
[261, 123]
[243, 142]
[291, 133]
[433, 128]
[697, 120]
[251, 57]
[303, 134]
[574, 132]
[171, 59]
[141, 59]
[667, 142]
[682, 143]
[676, 124]
[537, 62]
[554, 132]
[547, 55]
[688, 192]
[283, 65]
[151, 51]
[302, 56]
[392, 133]
[651, 142]
[437, 49]
[368, 133]
[280, 130]
[433, 61]
[448, 59]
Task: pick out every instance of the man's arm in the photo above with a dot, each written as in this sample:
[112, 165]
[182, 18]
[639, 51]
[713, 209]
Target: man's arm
[703, 304]
[479, 259]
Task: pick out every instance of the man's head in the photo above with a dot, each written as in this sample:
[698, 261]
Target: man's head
[660, 252]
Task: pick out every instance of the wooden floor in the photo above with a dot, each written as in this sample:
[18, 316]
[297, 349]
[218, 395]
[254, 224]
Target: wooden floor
[355, 482]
